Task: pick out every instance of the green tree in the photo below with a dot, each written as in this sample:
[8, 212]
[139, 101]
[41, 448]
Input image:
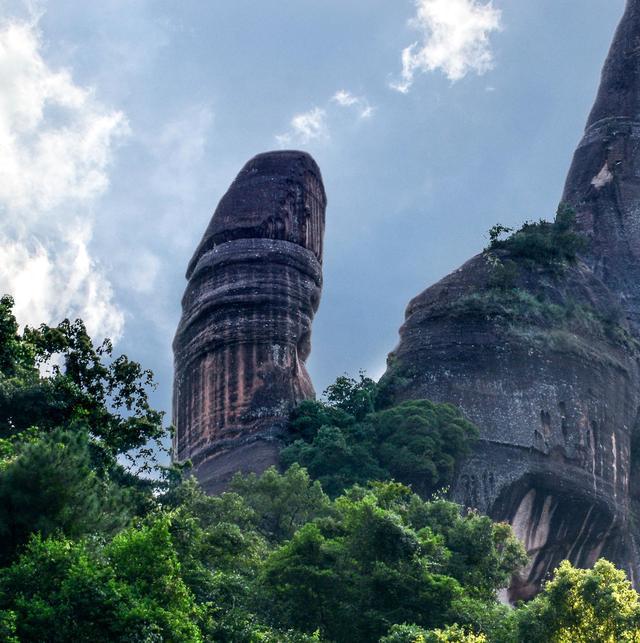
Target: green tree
[55, 376]
[220, 552]
[47, 485]
[128, 590]
[223, 541]
[68, 411]
[338, 458]
[282, 503]
[145, 558]
[415, 634]
[310, 416]
[416, 442]
[596, 605]
[367, 566]
[354, 397]
[484, 554]
[419, 442]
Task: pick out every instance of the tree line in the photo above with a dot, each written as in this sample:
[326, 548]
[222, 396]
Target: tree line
[352, 541]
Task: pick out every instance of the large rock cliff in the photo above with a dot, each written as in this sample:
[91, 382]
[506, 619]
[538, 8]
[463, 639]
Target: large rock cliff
[254, 286]
[540, 351]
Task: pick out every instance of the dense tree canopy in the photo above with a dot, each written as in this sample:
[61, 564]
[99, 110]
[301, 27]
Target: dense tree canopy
[344, 441]
[47, 485]
[55, 376]
[342, 550]
[583, 606]
[381, 558]
[127, 590]
[70, 413]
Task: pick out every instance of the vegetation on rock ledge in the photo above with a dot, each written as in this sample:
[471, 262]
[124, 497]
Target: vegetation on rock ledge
[526, 290]
[542, 243]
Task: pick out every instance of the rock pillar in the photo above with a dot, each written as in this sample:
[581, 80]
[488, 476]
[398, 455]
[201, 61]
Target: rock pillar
[253, 288]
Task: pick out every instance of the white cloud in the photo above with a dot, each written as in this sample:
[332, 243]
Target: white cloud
[305, 127]
[314, 125]
[57, 142]
[175, 174]
[455, 39]
[347, 99]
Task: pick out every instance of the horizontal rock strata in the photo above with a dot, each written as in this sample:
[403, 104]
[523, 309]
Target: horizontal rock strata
[552, 382]
[253, 288]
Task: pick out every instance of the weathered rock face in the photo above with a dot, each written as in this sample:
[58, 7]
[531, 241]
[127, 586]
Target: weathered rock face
[604, 181]
[548, 367]
[254, 286]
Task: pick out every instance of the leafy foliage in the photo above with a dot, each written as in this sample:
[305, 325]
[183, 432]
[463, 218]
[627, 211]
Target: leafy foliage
[415, 634]
[47, 485]
[343, 570]
[88, 553]
[55, 376]
[355, 397]
[379, 560]
[67, 412]
[416, 442]
[545, 243]
[283, 503]
[583, 606]
[128, 590]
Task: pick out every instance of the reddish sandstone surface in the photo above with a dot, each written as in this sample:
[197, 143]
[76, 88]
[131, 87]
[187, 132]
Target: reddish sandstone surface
[253, 288]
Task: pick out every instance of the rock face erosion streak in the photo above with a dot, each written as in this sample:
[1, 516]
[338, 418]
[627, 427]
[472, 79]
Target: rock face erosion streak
[254, 286]
[544, 360]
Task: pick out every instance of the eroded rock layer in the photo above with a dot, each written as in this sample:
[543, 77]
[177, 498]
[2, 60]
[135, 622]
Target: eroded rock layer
[254, 286]
[546, 361]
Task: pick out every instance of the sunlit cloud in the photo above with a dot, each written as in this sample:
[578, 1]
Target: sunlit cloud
[57, 143]
[454, 39]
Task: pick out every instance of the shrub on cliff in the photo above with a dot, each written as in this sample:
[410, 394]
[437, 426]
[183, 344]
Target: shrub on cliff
[543, 243]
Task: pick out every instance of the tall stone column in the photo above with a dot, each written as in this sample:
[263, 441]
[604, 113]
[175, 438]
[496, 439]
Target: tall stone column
[254, 285]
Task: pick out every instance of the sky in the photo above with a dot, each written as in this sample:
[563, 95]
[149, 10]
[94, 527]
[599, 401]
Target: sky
[123, 122]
